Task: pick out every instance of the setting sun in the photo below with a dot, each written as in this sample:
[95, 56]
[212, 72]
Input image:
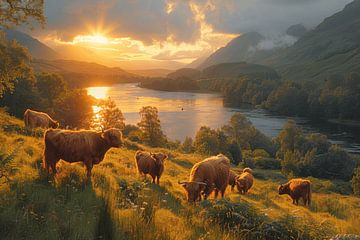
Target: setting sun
[97, 39]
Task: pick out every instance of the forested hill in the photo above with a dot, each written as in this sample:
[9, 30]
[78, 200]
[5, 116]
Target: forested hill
[333, 47]
[188, 79]
[84, 74]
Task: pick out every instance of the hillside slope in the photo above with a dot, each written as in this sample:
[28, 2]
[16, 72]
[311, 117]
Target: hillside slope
[237, 50]
[118, 204]
[78, 73]
[333, 47]
[36, 48]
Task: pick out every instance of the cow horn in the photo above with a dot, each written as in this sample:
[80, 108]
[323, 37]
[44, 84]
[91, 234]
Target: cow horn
[201, 183]
[183, 182]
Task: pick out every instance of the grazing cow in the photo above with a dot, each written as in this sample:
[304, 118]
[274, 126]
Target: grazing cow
[33, 119]
[150, 163]
[232, 179]
[84, 146]
[296, 189]
[245, 181]
[207, 175]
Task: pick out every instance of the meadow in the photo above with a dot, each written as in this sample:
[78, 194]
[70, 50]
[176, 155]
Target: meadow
[119, 204]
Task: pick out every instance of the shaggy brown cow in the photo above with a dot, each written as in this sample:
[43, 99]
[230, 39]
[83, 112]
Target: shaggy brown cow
[34, 119]
[150, 163]
[207, 175]
[88, 147]
[245, 181]
[232, 179]
[296, 189]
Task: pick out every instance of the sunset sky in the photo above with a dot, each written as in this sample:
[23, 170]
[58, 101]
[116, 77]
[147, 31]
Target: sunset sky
[141, 34]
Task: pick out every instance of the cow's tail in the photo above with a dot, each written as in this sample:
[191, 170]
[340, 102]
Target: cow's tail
[26, 118]
[309, 195]
[46, 150]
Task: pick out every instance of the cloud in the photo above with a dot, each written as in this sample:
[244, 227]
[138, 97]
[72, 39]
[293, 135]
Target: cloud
[145, 20]
[267, 16]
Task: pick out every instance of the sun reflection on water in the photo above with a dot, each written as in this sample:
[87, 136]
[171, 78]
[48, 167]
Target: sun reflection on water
[98, 92]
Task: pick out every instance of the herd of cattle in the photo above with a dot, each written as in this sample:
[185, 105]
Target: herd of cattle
[210, 175]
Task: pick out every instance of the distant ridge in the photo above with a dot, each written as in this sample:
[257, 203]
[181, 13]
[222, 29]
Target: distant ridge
[36, 48]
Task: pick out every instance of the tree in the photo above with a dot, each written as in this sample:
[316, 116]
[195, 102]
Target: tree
[240, 130]
[289, 137]
[150, 127]
[188, 145]
[50, 87]
[74, 109]
[355, 182]
[110, 116]
[15, 64]
[18, 12]
[24, 96]
[206, 141]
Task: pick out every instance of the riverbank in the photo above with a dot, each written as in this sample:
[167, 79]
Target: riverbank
[349, 123]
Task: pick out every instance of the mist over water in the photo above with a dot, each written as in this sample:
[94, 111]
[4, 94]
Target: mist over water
[183, 113]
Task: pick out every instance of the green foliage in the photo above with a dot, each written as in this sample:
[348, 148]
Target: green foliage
[355, 182]
[169, 84]
[24, 96]
[211, 142]
[74, 109]
[150, 127]
[17, 12]
[288, 99]
[6, 165]
[50, 87]
[188, 145]
[15, 63]
[312, 155]
[109, 116]
[240, 130]
[206, 141]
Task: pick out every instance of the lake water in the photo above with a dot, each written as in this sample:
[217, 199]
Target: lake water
[182, 114]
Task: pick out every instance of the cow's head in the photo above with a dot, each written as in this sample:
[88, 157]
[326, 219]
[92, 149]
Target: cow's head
[193, 190]
[159, 157]
[283, 189]
[113, 137]
[240, 184]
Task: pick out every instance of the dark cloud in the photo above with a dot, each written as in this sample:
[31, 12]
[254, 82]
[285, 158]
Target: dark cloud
[146, 20]
[267, 16]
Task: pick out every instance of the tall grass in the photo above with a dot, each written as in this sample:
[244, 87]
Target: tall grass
[118, 204]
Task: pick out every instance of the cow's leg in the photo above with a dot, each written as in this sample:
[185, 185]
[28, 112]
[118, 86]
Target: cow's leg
[53, 166]
[216, 193]
[232, 187]
[153, 179]
[304, 199]
[89, 166]
[158, 179]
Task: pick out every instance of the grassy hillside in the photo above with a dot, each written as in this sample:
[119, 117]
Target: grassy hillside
[118, 204]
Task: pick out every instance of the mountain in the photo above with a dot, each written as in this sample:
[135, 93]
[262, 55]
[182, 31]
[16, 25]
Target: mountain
[185, 72]
[156, 72]
[297, 30]
[83, 74]
[237, 50]
[36, 48]
[333, 47]
[231, 70]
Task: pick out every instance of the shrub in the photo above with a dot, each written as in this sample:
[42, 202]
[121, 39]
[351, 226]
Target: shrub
[267, 163]
[355, 182]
